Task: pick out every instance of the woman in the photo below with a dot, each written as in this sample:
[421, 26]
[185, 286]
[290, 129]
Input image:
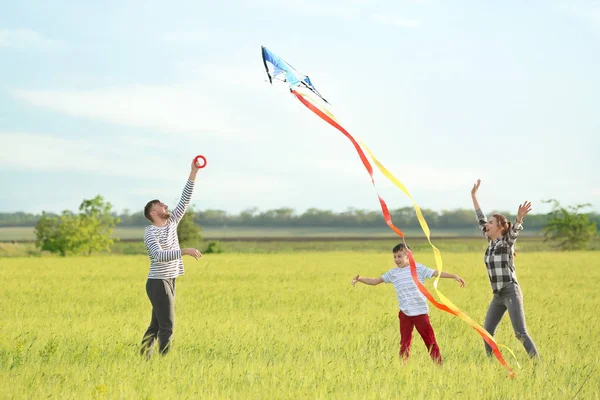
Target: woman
[500, 263]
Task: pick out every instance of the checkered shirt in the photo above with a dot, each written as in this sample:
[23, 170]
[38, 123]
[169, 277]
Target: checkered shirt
[498, 258]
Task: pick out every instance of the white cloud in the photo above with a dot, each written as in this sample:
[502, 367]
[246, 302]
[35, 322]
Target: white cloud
[336, 9]
[37, 152]
[587, 10]
[43, 152]
[165, 108]
[251, 76]
[210, 101]
[412, 176]
[183, 37]
[392, 20]
[585, 13]
[332, 10]
[25, 38]
[596, 191]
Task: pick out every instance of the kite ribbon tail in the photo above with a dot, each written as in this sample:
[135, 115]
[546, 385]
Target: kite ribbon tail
[328, 117]
[447, 304]
[386, 214]
[450, 308]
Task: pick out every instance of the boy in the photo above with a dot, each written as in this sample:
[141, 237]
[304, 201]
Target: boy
[412, 303]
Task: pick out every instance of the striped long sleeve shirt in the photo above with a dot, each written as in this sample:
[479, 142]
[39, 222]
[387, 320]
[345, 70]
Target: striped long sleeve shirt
[162, 242]
[498, 258]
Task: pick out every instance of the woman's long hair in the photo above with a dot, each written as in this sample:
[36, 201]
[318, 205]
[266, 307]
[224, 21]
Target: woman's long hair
[504, 225]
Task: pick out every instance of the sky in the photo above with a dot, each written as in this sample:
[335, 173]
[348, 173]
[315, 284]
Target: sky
[117, 97]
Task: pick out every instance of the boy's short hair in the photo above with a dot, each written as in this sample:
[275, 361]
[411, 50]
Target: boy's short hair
[400, 247]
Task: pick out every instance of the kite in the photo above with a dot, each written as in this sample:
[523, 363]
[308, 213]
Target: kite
[286, 73]
[278, 69]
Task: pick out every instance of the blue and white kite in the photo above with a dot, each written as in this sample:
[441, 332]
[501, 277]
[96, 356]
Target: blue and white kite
[279, 69]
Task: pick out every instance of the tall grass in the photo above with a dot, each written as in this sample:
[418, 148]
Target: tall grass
[287, 326]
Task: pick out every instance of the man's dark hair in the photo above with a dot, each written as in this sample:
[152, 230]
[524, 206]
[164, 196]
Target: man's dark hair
[148, 207]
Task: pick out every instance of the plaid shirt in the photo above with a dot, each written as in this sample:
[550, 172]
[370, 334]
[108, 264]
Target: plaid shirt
[499, 254]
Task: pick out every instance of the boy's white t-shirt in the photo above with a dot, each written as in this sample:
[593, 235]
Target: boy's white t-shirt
[410, 300]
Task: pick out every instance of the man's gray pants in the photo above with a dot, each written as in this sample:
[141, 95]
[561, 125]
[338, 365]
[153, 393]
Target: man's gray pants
[161, 293]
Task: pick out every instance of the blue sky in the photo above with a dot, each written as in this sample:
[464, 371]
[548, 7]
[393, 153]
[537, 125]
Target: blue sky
[116, 98]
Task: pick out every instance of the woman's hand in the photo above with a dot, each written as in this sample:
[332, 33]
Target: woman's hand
[523, 211]
[475, 188]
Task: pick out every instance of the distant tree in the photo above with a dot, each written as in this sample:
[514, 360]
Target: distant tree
[213, 217]
[69, 233]
[58, 234]
[248, 215]
[96, 225]
[570, 228]
[188, 231]
[317, 217]
[18, 219]
[456, 218]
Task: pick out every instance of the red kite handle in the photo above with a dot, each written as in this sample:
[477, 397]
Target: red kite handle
[200, 158]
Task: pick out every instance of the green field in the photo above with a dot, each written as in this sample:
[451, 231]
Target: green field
[295, 244]
[287, 326]
[27, 233]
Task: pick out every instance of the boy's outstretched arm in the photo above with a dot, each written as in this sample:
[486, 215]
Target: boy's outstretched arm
[451, 276]
[366, 281]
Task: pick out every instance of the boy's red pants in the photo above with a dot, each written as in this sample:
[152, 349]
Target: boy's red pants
[421, 322]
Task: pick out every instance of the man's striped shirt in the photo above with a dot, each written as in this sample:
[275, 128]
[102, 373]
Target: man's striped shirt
[498, 258]
[162, 243]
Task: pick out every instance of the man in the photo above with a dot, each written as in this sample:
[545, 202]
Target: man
[166, 265]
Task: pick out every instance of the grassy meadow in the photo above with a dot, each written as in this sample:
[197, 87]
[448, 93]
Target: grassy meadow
[287, 325]
[21, 233]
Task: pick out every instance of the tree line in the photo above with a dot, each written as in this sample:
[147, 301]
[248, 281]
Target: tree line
[91, 229]
[313, 217]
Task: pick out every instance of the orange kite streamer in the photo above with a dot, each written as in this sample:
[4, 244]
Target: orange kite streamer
[283, 71]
